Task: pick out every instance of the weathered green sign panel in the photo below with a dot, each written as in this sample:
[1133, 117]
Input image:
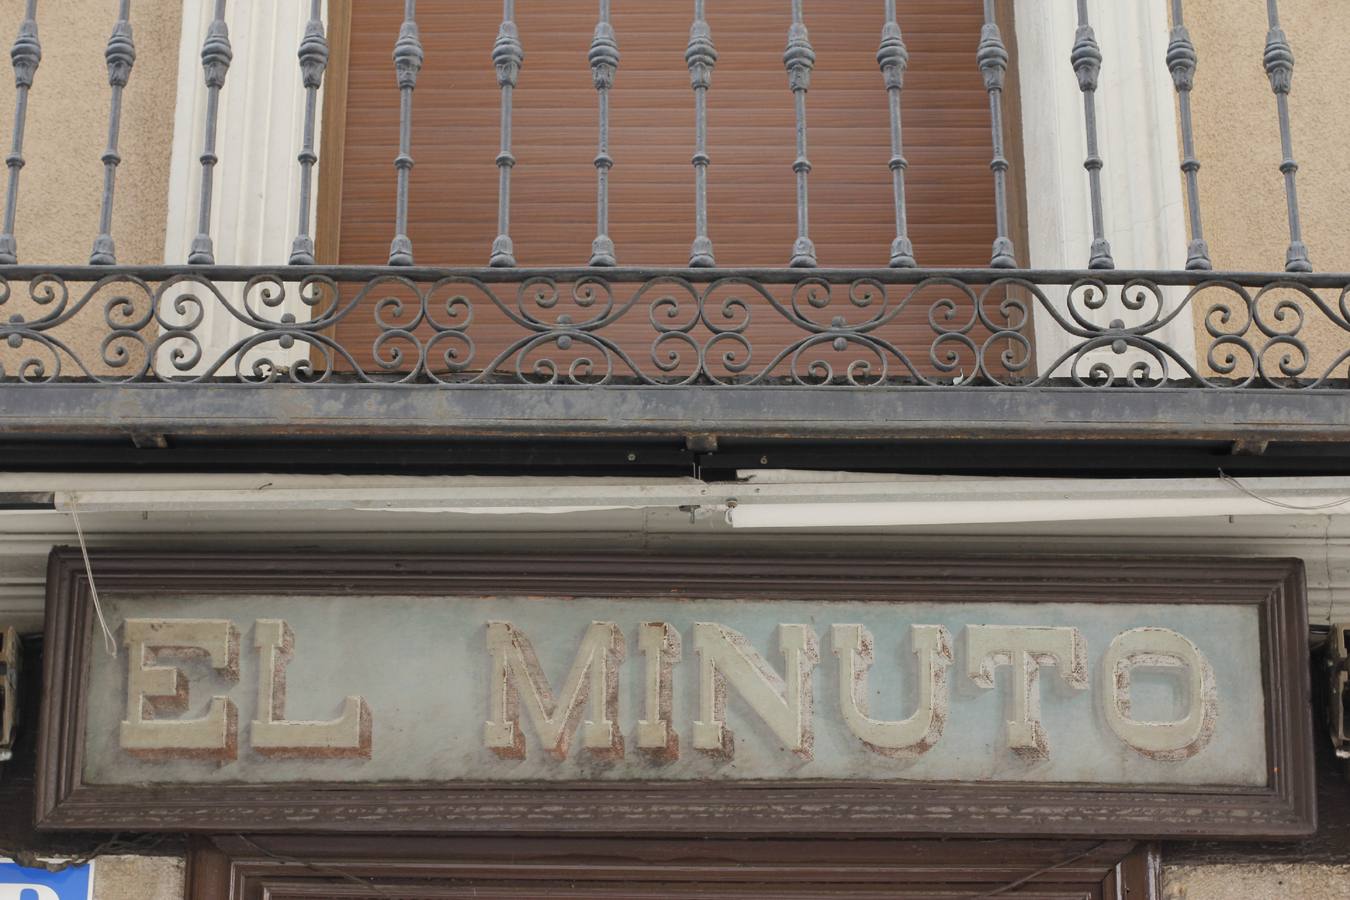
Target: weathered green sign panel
[693, 678]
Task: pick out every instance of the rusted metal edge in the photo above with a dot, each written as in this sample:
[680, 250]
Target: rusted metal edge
[621, 274]
[354, 411]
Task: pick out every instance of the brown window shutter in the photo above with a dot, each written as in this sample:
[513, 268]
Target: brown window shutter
[752, 208]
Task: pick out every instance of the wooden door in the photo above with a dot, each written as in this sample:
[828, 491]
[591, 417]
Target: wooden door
[238, 867]
[751, 129]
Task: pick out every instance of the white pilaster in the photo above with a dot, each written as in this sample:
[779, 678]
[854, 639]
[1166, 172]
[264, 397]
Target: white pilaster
[255, 210]
[1142, 197]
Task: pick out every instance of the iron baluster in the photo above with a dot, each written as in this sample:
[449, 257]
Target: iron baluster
[407, 63]
[1087, 65]
[507, 57]
[121, 56]
[26, 54]
[993, 59]
[893, 57]
[604, 60]
[701, 57]
[1279, 62]
[1181, 59]
[216, 57]
[799, 58]
[313, 61]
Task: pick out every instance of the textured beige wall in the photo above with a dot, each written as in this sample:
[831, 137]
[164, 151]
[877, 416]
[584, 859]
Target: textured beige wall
[138, 878]
[61, 185]
[1237, 139]
[1256, 882]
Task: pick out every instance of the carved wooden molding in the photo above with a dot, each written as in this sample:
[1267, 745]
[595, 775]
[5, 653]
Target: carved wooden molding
[240, 867]
[1281, 808]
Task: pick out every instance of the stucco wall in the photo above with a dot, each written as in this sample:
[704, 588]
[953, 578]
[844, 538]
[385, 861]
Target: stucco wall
[67, 130]
[138, 878]
[1237, 138]
[1256, 882]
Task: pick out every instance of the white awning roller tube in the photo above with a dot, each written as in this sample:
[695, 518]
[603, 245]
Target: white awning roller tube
[767, 499]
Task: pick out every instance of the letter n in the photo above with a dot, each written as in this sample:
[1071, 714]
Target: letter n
[727, 659]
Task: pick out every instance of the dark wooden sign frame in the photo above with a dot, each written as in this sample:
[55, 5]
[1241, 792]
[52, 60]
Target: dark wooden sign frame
[1284, 807]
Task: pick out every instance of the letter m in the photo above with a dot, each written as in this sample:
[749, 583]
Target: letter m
[518, 680]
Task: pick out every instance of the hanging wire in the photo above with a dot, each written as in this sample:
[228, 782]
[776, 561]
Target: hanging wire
[109, 642]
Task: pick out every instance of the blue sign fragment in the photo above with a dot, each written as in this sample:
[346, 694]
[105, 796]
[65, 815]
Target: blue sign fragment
[19, 883]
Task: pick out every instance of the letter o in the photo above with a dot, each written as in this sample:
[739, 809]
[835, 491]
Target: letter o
[1160, 648]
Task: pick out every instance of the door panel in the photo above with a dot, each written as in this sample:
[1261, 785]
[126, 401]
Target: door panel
[237, 867]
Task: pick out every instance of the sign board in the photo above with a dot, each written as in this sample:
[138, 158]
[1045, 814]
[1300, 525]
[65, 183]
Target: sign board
[20, 883]
[677, 694]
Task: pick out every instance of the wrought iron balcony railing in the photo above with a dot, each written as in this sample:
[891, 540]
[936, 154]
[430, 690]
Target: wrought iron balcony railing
[675, 328]
[801, 325]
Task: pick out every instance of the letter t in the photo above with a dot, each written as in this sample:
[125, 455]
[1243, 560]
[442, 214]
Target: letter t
[1025, 649]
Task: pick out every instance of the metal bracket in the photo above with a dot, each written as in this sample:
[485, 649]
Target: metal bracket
[149, 441]
[1338, 670]
[9, 691]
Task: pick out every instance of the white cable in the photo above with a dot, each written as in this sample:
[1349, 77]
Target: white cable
[109, 642]
[1229, 479]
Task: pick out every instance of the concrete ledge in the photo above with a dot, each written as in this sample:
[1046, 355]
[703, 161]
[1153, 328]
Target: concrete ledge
[142, 411]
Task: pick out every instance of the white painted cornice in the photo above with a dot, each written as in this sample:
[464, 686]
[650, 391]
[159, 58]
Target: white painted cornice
[947, 516]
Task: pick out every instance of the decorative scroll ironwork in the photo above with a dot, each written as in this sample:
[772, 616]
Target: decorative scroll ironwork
[26, 54]
[120, 56]
[1279, 62]
[677, 327]
[1181, 60]
[313, 61]
[216, 57]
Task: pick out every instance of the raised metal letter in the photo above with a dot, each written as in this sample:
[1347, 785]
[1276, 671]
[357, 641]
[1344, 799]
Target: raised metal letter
[914, 736]
[349, 735]
[1025, 650]
[1160, 648]
[660, 645]
[727, 659]
[594, 677]
[155, 690]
